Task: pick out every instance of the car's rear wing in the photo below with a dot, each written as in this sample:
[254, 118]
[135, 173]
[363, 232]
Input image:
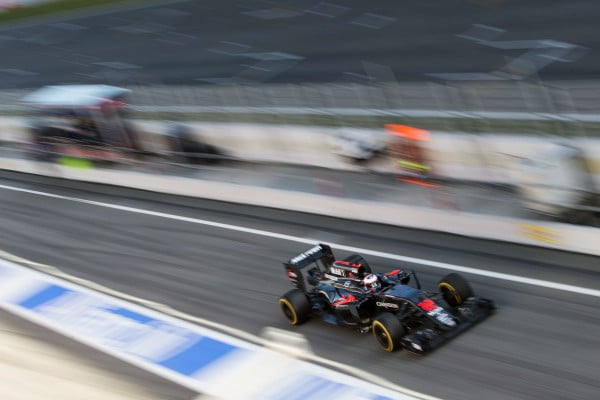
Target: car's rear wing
[319, 258]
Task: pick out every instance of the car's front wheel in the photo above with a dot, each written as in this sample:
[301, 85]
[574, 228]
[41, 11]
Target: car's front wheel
[295, 306]
[455, 289]
[388, 331]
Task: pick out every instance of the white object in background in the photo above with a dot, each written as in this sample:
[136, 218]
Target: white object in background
[358, 144]
[555, 181]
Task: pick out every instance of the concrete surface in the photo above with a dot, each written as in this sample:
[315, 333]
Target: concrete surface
[37, 364]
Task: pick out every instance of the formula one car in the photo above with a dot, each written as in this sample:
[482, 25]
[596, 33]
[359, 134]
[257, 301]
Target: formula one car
[392, 305]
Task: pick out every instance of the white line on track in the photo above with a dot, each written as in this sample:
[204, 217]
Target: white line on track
[275, 235]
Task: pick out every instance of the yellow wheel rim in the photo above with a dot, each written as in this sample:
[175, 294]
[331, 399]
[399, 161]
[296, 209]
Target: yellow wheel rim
[291, 312]
[450, 288]
[383, 330]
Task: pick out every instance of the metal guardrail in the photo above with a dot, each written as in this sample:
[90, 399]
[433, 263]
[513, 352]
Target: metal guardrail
[568, 97]
[373, 112]
[557, 108]
[360, 112]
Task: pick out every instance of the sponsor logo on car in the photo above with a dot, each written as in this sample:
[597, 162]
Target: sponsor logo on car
[387, 305]
[436, 312]
[306, 254]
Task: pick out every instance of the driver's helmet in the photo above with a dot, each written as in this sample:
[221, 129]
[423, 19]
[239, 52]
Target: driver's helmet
[371, 282]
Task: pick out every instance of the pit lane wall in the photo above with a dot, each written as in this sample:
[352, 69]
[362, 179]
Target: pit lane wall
[198, 358]
[566, 237]
[455, 155]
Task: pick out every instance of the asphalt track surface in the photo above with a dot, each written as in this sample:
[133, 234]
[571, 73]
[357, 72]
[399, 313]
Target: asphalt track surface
[291, 41]
[542, 343]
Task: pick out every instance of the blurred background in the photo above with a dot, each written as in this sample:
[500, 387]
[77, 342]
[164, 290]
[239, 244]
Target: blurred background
[506, 90]
[471, 107]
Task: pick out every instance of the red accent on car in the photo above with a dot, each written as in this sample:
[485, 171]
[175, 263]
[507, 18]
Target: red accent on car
[354, 265]
[344, 300]
[392, 273]
[428, 305]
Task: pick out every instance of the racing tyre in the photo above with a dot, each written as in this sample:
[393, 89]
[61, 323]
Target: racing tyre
[455, 289]
[388, 332]
[295, 306]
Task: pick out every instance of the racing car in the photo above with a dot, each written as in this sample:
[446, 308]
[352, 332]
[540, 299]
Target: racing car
[392, 305]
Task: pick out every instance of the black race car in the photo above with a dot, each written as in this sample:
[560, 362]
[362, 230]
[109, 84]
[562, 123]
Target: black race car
[392, 305]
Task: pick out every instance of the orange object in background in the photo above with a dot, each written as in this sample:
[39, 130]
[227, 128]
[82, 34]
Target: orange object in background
[406, 149]
[407, 132]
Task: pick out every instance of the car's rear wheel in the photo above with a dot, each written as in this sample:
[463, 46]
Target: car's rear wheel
[295, 306]
[455, 289]
[388, 332]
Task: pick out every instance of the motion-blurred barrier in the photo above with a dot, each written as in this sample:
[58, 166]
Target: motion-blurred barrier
[570, 194]
[455, 155]
[546, 234]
